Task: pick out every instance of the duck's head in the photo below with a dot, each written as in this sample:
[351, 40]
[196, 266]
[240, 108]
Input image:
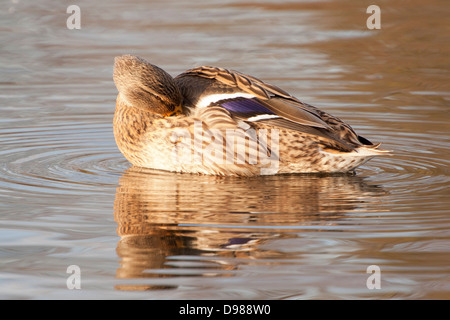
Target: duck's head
[146, 87]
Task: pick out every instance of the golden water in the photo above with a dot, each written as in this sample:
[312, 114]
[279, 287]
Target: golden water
[68, 197]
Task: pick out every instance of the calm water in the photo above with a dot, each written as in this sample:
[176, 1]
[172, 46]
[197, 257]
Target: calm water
[68, 197]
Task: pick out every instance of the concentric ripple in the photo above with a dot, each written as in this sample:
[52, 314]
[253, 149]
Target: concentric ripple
[73, 157]
[420, 159]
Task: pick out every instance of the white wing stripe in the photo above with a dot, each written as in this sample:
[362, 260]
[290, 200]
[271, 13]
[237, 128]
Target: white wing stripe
[263, 117]
[207, 100]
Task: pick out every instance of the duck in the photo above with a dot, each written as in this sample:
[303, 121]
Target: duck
[216, 121]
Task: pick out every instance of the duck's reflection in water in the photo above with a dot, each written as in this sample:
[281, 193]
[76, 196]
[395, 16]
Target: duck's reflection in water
[188, 225]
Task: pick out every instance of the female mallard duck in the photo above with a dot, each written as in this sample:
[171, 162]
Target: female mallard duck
[215, 121]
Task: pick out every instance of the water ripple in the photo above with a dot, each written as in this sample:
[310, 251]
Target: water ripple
[55, 159]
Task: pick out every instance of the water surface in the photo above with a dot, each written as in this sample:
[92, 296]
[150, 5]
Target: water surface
[68, 197]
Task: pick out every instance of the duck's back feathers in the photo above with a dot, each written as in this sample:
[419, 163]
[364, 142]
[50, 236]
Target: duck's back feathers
[254, 101]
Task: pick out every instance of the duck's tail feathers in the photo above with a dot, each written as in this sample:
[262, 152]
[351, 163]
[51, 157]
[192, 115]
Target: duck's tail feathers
[371, 150]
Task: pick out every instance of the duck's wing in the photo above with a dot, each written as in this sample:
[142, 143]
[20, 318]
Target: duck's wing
[254, 101]
[252, 96]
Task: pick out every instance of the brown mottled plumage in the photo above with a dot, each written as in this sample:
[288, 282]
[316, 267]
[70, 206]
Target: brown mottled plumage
[215, 121]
